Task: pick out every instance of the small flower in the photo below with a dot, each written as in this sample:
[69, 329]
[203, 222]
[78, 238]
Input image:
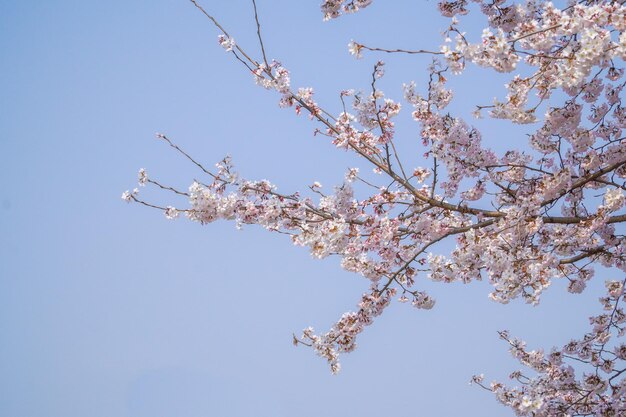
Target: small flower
[423, 301]
[226, 42]
[355, 49]
[143, 177]
[379, 70]
[171, 213]
[477, 379]
[352, 174]
[128, 196]
[421, 174]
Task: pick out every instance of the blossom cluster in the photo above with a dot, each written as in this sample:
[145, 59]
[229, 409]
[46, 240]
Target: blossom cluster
[562, 46]
[342, 336]
[580, 378]
[334, 8]
[519, 219]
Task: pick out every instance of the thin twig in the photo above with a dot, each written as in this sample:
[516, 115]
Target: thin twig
[199, 165]
[258, 32]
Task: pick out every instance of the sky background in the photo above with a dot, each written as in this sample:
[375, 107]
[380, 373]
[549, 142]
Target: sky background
[108, 309]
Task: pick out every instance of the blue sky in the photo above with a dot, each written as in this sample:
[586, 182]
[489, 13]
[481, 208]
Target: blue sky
[107, 309]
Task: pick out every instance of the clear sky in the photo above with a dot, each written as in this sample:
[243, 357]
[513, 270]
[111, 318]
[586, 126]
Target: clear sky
[107, 309]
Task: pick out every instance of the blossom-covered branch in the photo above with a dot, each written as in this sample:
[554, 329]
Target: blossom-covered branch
[519, 218]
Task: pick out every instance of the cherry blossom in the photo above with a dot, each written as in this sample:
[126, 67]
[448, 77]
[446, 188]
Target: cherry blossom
[226, 42]
[550, 208]
[334, 8]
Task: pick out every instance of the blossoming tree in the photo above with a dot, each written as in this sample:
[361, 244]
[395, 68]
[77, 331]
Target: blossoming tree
[519, 219]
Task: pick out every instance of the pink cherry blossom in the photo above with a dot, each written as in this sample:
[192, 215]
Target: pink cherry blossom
[551, 207]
